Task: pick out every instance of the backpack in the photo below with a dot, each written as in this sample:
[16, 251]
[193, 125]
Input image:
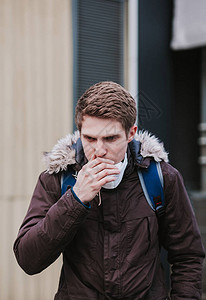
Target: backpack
[151, 180]
[152, 183]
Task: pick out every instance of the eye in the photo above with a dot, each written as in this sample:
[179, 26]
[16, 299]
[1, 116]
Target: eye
[89, 138]
[110, 138]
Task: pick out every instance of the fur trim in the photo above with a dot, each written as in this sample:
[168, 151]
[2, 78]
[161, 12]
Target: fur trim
[151, 146]
[63, 155]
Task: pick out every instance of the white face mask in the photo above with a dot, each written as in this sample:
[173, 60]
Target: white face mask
[121, 166]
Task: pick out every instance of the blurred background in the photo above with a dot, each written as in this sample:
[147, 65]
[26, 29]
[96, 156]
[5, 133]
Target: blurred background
[50, 52]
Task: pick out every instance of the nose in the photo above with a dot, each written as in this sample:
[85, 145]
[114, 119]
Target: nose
[100, 150]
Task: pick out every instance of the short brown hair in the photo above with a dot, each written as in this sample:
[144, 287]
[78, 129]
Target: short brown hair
[107, 100]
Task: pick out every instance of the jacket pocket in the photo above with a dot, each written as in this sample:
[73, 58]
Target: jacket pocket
[142, 240]
[139, 266]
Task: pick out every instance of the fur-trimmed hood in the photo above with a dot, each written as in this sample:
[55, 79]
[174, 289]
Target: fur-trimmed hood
[64, 152]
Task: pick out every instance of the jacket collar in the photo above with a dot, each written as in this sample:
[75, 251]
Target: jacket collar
[69, 151]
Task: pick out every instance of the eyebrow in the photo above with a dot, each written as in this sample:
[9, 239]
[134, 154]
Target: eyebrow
[88, 135]
[115, 135]
[103, 137]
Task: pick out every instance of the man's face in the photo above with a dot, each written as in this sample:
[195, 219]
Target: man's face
[105, 138]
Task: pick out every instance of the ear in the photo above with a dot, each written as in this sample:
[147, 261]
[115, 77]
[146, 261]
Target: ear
[132, 132]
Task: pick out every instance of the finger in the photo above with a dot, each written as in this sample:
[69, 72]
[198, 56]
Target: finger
[104, 166]
[100, 183]
[99, 160]
[93, 157]
[106, 179]
[107, 172]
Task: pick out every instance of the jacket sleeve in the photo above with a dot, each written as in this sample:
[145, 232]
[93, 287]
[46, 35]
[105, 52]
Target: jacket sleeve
[49, 226]
[181, 238]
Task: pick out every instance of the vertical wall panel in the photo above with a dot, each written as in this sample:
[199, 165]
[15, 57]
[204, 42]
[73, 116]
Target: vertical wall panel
[36, 110]
[99, 42]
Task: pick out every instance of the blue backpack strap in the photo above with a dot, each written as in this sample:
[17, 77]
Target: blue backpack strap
[67, 179]
[152, 183]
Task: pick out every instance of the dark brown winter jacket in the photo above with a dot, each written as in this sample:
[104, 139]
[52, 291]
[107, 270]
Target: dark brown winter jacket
[111, 251]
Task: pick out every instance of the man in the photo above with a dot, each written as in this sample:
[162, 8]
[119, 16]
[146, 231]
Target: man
[109, 235]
